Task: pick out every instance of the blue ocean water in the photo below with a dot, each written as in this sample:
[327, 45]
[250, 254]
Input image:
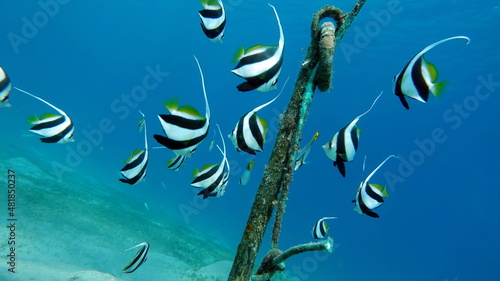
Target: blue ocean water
[91, 59]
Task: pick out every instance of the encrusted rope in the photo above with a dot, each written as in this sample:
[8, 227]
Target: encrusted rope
[274, 186]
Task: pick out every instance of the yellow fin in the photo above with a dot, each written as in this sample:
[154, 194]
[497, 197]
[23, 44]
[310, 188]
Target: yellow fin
[431, 68]
[208, 166]
[382, 189]
[238, 54]
[213, 3]
[438, 88]
[136, 152]
[49, 115]
[32, 120]
[196, 172]
[170, 161]
[189, 110]
[171, 104]
[263, 122]
[250, 165]
[316, 135]
[356, 127]
[257, 47]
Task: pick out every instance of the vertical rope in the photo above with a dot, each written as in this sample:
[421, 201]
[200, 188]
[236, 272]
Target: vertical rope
[274, 186]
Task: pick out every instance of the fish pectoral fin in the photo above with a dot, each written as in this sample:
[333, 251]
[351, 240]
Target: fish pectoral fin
[438, 88]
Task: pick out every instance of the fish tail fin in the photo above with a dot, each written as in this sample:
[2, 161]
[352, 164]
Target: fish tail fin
[171, 104]
[196, 172]
[315, 137]
[32, 120]
[238, 53]
[438, 88]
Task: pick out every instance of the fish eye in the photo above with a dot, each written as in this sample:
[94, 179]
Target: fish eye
[275, 82]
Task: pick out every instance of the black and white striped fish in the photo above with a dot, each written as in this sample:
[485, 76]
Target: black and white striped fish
[140, 257]
[54, 128]
[342, 147]
[260, 65]
[5, 87]
[221, 189]
[135, 169]
[320, 229]
[249, 134]
[176, 162]
[213, 178]
[184, 127]
[300, 159]
[418, 77]
[213, 19]
[369, 196]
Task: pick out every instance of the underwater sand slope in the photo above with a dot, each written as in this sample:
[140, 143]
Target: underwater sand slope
[78, 230]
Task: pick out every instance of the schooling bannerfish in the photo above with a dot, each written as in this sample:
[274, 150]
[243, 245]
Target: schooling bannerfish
[300, 159]
[5, 88]
[369, 196]
[221, 189]
[342, 147]
[184, 127]
[320, 229]
[135, 169]
[260, 65]
[418, 77]
[54, 128]
[212, 178]
[249, 134]
[213, 19]
[140, 257]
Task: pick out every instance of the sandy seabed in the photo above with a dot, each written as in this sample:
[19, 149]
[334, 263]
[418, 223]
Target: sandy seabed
[78, 230]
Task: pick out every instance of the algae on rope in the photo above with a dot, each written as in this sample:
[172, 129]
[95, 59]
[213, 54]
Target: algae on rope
[316, 71]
